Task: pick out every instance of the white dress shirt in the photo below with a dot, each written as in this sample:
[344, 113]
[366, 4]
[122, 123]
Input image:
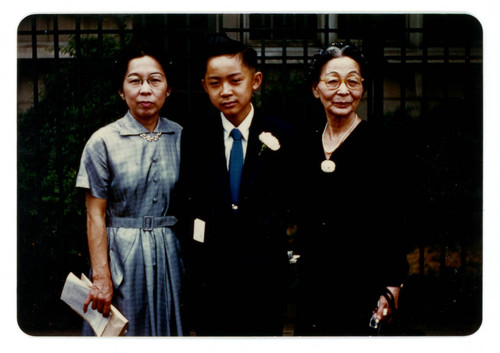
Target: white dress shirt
[244, 128]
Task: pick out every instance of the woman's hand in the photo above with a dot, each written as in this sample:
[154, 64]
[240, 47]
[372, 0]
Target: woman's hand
[101, 292]
[384, 310]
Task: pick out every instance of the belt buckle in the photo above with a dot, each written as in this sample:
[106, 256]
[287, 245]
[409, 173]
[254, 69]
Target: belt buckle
[147, 223]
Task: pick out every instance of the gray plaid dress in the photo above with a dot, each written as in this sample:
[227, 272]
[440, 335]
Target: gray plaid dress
[137, 177]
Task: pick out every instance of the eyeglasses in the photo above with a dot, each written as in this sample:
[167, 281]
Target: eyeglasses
[334, 81]
[155, 81]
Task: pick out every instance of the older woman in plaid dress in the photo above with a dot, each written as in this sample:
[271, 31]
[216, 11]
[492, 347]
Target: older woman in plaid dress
[129, 169]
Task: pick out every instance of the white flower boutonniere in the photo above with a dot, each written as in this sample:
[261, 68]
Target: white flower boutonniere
[269, 141]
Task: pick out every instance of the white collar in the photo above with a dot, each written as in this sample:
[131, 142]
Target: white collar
[244, 127]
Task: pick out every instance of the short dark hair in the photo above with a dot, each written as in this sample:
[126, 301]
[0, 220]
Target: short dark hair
[138, 50]
[220, 44]
[336, 50]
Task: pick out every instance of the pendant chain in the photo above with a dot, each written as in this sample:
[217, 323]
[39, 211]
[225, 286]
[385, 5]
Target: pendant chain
[353, 125]
[329, 166]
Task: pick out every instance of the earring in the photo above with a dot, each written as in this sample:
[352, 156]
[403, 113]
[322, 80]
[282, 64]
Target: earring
[122, 95]
[168, 94]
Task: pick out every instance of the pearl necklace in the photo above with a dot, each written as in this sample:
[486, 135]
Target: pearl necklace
[329, 166]
[150, 138]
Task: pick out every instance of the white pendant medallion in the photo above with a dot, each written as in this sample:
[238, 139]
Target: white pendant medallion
[328, 166]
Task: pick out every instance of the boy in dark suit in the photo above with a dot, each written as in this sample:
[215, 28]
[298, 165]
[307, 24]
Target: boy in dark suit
[234, 180]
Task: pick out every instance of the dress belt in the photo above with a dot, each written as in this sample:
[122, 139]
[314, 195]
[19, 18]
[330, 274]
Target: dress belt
[145, 223]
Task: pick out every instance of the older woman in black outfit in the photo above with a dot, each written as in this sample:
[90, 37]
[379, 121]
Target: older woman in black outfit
[351, 268]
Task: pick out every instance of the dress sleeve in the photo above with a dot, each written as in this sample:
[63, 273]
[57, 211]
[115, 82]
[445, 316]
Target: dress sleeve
[94, 168]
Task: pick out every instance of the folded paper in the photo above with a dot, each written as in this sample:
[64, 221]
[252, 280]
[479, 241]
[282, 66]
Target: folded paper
[75, 292]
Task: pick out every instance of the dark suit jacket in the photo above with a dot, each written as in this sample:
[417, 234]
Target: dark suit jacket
[240, 270]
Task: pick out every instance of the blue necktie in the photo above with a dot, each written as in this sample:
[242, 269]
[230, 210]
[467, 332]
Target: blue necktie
[235, 166]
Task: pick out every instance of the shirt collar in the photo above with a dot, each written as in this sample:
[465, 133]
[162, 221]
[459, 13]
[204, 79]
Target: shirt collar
[244, 127]
[130, 126]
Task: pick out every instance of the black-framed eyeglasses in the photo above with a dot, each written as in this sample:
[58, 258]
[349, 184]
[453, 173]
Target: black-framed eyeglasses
[333, 81]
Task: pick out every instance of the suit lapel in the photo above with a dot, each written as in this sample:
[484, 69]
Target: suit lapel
[218, 160]
[252, 164]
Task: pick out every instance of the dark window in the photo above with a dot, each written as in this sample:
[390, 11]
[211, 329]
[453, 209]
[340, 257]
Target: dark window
[452, 30]
[288, 26]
